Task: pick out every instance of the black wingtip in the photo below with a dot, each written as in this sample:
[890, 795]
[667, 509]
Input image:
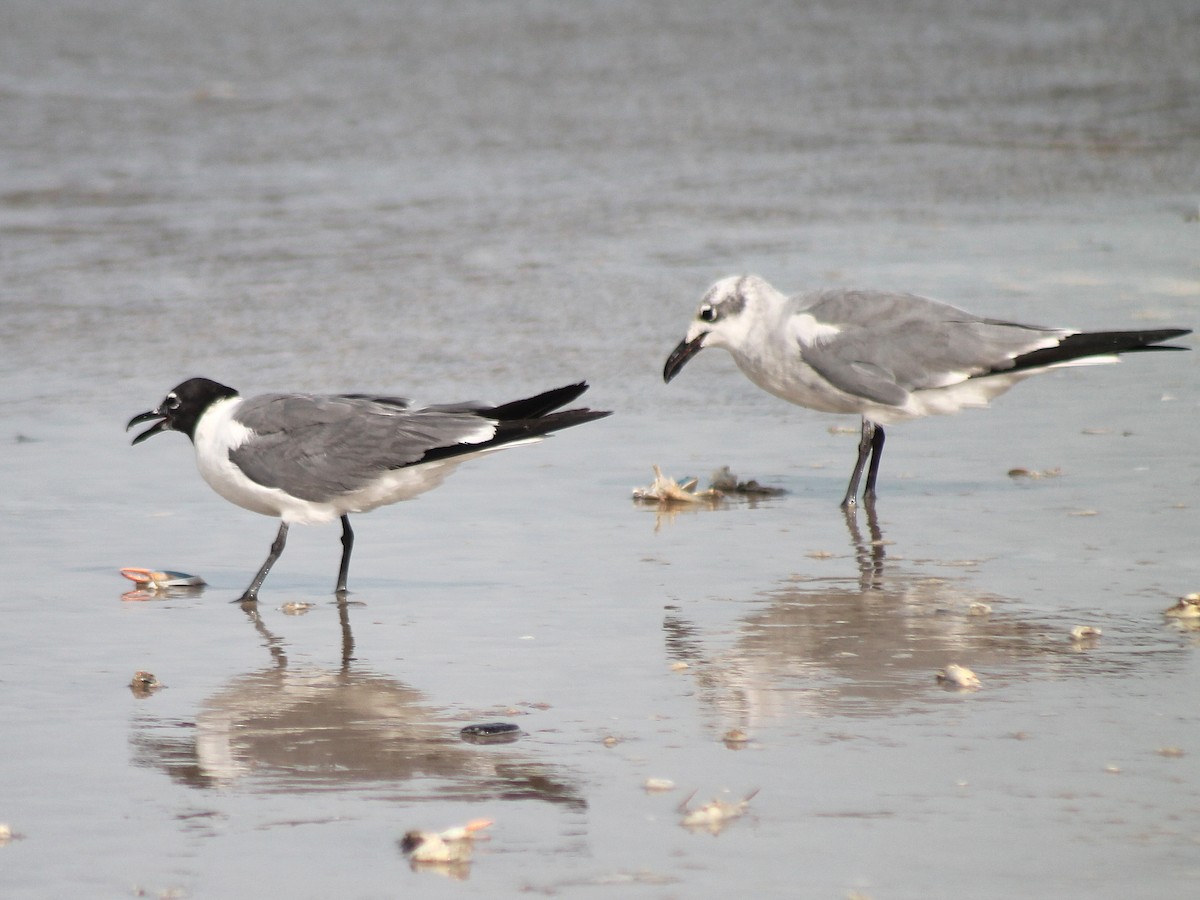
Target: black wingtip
[537, 406]
[1099, 343]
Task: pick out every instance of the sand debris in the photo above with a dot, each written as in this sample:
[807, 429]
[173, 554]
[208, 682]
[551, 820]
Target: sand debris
[490, 733]
[144, 684]
[447, 852]
[735, 739]
[726, 482]
[958, 677]
[296, 608]
[714, 815]
[667, 491]
[658, 785]
[159, 583]
[1188, 607]
[1033, 474]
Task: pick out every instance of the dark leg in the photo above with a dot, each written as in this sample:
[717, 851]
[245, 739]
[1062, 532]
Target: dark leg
[251, 593]
[347, 635]
[347, 546]
[864, 450]
[873, 471]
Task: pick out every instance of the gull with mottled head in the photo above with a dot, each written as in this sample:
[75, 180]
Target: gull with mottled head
[887, 357]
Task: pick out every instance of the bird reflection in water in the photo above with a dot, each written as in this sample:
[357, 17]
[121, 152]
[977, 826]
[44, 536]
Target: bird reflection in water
[291, 728]
[859, 645]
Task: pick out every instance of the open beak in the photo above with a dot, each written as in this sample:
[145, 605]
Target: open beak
[160, 425]
[681, 354]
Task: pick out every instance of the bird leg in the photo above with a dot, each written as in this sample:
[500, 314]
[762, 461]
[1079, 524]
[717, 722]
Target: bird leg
[870, 445]
[347, 546]
[250, 595]
[873, 469]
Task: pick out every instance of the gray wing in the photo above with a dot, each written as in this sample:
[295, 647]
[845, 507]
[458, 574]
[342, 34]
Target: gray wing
[315, 447]
[888, 345]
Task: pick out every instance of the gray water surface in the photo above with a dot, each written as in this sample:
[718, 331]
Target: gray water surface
[483, 200]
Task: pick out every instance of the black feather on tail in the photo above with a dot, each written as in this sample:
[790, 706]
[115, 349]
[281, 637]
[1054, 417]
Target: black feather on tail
[1095, 343]
[529, 418]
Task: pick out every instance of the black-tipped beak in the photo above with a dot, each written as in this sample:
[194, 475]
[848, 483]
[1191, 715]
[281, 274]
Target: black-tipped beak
[681, 354]
[160, 425]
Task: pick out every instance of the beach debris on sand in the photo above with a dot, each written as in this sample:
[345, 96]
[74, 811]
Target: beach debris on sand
[450, 848]
[665, 490]
[958, 677]
[159, 583]
[1188, 607]
[714, 815]
[144, 684]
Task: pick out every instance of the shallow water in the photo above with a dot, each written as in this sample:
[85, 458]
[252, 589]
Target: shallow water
[486, 200]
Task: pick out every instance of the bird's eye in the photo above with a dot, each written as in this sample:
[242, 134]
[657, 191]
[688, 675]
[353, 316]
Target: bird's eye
[708, 314]
[171, 402]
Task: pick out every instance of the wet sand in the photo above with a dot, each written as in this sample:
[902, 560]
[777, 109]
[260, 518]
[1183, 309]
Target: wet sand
[471, 203]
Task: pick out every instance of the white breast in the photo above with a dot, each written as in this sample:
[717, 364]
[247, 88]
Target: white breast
[216, 434]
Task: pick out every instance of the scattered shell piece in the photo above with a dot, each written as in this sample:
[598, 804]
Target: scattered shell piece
[454, 845]
[1084, 513]
[735, 736]
[714, 815]
[979, 608]
[819, 554]
[666, 490]
[957, 676]
[724, 481]
[144, 684]
[7, 835]
[610, 740]
[679, 666]
[657, 785]
[154, 580]
[1188, 607]
[1085, 634]
[153, 584]
[1170, 752]
[1033, 474]
[490, 733]
[1112, 769]
[296, 608]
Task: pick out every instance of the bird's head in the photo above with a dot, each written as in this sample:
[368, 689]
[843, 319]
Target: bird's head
[182, 408]
[723, 320]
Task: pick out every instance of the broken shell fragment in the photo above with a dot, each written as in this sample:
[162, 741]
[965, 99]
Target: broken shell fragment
[714, 815]
[735, 737]
[665, 490]
[724, 481]
[144, 684]
[490, 733]
[960, 677]
[454, 845]
[296, 608]
[1188, 607]
[155, 580]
